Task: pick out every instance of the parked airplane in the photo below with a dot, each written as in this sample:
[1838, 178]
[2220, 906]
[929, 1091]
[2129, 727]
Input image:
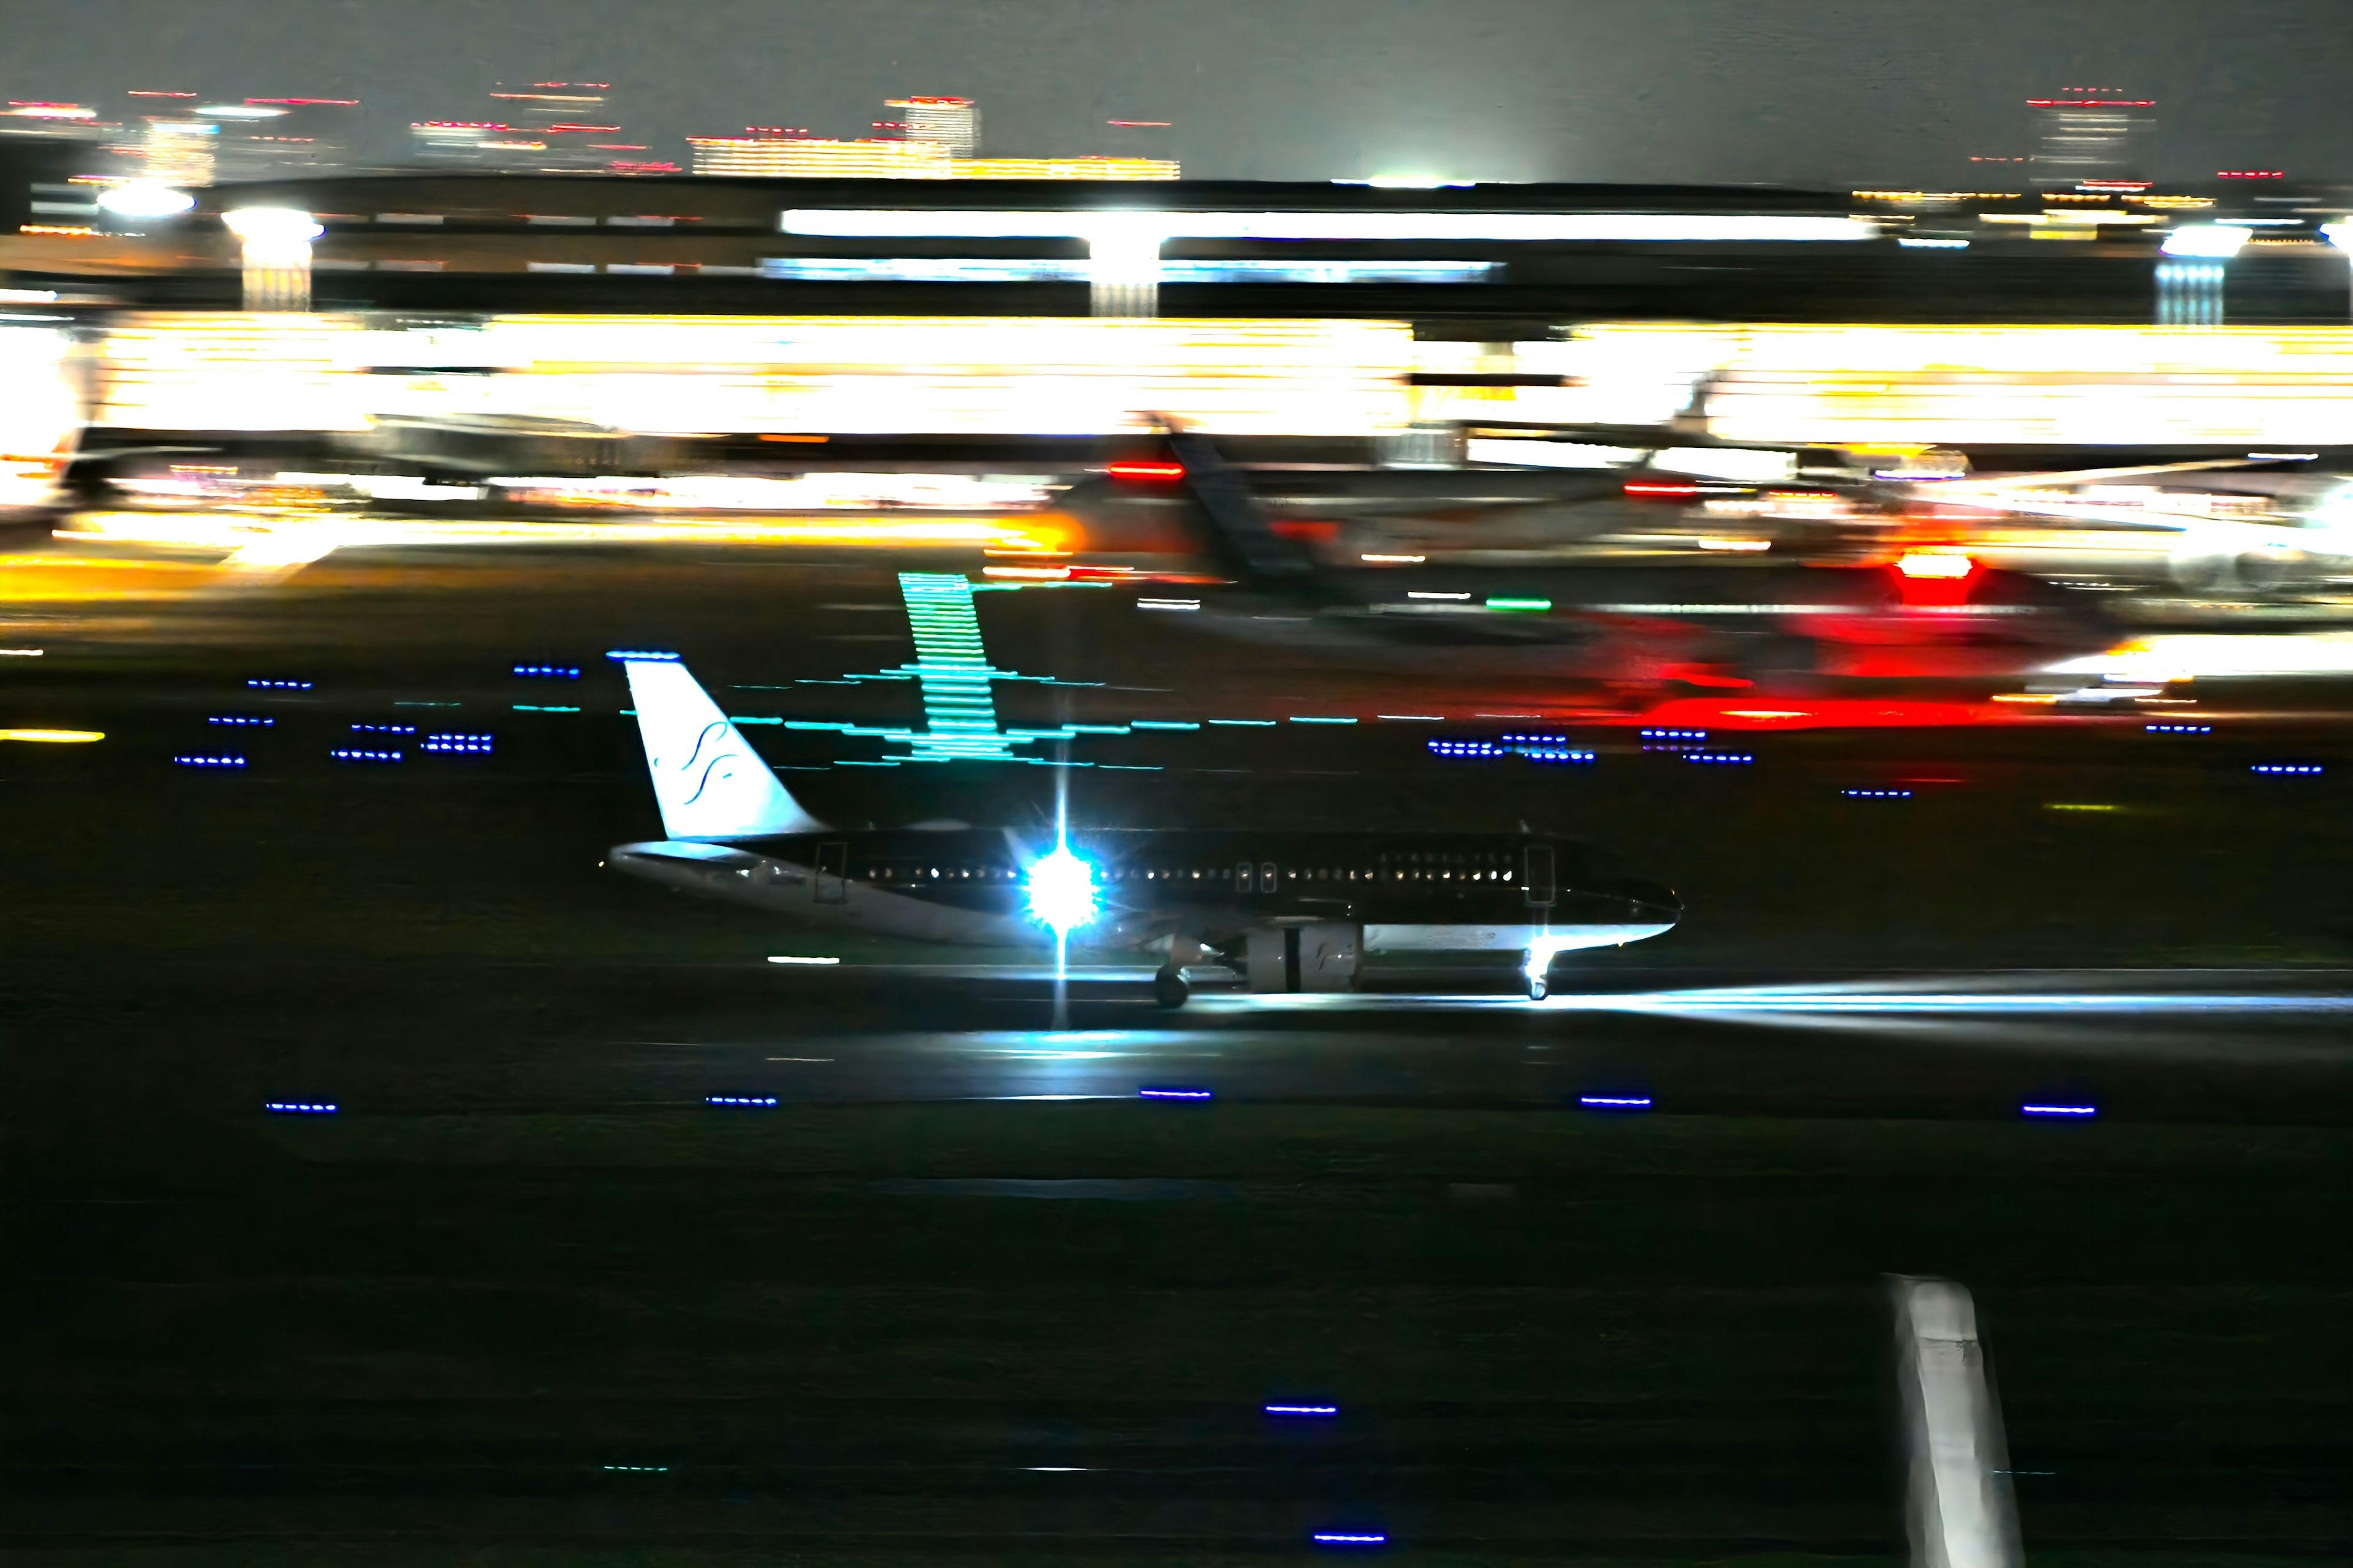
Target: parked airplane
[1289, 911]
[1937, 615]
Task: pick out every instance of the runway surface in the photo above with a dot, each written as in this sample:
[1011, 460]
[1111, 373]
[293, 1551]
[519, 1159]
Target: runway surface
[554, 1279]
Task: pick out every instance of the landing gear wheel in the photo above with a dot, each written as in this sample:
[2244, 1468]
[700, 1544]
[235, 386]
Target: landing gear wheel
[1538, 988]
[1168, 988]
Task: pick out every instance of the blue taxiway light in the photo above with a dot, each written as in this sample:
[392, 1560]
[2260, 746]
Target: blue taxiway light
[1303, 1410]
[623, 654]
[1614, 1102]
[241, 720]
[1350, 1538]
[355, 754]
[279, 685]
[548, 671]
[637, 1469]
[2300, 769]
[298, 1107]
[1154, 1093]
[1674, 735]
[1546, 754]
[1876, 794]
[738, 1099]
[383, 729]
[479, 745]
[1722, 759]
[1464, 748]
[2179, 729]
[2059, 1110]
[197, 761]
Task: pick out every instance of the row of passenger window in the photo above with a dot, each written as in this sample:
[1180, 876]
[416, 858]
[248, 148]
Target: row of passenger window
[1264, 876]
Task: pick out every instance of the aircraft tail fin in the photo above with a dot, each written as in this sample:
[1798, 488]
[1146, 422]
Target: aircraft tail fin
[710, 783]
[1241, 536]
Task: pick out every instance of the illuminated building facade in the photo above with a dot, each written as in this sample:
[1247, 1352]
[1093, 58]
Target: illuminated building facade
[539, 128]
[810, 157]
[1089, 168]
[951, 122]
[2090, 134]
[284, 138]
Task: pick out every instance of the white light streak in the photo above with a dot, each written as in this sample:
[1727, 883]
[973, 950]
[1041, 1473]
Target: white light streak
[1663, 227]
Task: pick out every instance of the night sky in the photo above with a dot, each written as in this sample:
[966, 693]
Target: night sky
[1809, 91]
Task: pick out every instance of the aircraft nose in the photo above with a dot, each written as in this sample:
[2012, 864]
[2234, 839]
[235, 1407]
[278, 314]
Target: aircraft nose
[1654, 901]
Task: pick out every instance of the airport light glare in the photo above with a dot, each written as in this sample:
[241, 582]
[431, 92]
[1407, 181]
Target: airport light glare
[272, 225]
[2212, 241]
[144, 199]
[1062, 890]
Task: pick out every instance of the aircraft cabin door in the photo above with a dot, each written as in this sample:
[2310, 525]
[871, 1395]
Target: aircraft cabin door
[833, 871]
[1540, 881]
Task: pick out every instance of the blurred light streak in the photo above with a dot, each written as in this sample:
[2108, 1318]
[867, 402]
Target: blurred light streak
[1656, 228]
[54, 737]
[2184, 656]
[1769, 1001]
[235, 530]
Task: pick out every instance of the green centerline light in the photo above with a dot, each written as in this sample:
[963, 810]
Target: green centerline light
[1526, 606]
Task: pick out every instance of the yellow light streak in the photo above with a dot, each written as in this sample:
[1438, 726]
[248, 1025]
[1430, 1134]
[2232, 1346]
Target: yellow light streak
[54, 737]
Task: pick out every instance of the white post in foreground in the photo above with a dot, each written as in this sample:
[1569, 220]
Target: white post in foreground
[277, 255]
[1959, 1508]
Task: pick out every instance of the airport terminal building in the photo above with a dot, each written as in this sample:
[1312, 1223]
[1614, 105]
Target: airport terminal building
[1492, 262]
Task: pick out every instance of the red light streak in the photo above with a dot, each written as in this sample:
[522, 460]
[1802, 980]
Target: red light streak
[1162, 472]
[1660, 492]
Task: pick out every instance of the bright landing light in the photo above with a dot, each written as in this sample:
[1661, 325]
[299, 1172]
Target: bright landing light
[1062, 890]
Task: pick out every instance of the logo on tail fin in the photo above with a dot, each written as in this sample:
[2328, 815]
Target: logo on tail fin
[707, 779]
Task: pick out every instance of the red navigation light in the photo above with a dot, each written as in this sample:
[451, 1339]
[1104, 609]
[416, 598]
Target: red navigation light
[1158, 471]
[1641, 489]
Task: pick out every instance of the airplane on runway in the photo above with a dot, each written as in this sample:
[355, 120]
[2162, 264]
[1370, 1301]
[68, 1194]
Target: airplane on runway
[1933, 615]
[1289, 911]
